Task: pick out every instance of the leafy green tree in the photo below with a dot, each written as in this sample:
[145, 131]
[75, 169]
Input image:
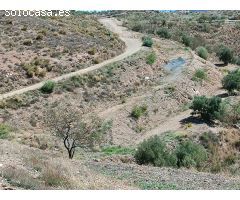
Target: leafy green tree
[207, 108]
[231, 81]
[225, 54]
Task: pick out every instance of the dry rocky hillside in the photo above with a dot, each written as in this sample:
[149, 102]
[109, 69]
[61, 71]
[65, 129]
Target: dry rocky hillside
[146, 93]
[38, 48]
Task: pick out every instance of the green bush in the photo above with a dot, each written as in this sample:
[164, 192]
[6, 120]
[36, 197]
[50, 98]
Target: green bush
[147, 41]
[151, 58]
[186, 40]
[202, 52]
[190, 154]
[138, 111]
[154, 151]
[208, 108]
[137, 27]
[164, 33]
[225, 54]
[231, 81]
[48, 87]
[199, 75]
[197, 41]
[4, 131]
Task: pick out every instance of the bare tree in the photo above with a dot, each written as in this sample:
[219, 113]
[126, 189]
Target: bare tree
[66, 123]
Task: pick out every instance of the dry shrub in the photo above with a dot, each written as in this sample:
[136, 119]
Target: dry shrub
[224, 153]
[20, 177]
[54, 174]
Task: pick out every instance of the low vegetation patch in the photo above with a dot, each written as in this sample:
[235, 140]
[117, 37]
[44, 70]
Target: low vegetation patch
[170, 89]
[147, 41]
[112, 150]
[157, 152]
[55, 176]
[4, 131]
[186, 40]
[20, 178]
[199, 75]
[164, 33]
[48, 87]
[230, 114]
[27, 42]
[208, 138]
[138, 111]
[202, 52]
[37, 67]
[151, 58]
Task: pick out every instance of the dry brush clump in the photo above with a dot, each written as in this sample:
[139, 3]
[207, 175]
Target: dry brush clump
[20, 177]
[40, 174]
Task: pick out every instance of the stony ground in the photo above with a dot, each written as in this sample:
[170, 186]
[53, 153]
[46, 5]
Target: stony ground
[166, 178]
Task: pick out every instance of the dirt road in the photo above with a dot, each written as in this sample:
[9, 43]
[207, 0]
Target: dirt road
[132, 46]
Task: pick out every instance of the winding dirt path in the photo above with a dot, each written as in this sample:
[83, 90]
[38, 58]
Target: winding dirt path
[132, 46]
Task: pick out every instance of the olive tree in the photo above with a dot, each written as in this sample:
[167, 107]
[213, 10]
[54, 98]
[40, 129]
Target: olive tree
[231, 82]
[208, 108]
[68, 124]
[225, 54]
